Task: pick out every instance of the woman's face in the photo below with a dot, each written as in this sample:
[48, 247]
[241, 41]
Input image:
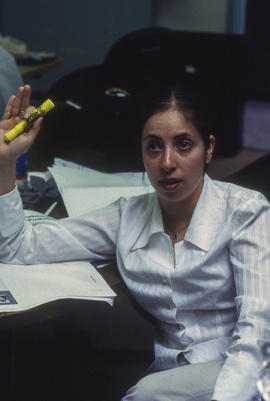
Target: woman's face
[174, 156]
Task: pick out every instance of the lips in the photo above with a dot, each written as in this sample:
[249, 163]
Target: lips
[169, 184]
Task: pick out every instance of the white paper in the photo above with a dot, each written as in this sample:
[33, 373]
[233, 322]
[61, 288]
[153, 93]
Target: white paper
[24, 287]
[84, 189]
[73, 177]
[82, 200]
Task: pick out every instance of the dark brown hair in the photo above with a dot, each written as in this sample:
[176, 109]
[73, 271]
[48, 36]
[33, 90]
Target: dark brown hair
[192, 104]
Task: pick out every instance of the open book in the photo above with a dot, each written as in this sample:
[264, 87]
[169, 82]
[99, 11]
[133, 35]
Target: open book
[24, 287]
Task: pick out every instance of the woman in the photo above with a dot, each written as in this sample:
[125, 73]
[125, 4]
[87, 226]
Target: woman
[194, 254]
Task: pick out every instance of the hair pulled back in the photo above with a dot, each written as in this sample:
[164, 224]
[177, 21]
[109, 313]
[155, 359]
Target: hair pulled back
[192, 104]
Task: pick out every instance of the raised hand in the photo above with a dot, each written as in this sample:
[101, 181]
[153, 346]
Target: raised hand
[9, 152]
[17, 103]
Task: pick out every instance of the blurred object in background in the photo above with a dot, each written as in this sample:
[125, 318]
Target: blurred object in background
[19, 50]
[15, 47]
[10, 78]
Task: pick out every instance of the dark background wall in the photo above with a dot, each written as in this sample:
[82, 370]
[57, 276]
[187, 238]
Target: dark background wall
[81, 32]
[257, 31]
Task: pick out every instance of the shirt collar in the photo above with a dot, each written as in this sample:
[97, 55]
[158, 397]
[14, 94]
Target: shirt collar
[204, 225]
[207, 216]
[153, 225]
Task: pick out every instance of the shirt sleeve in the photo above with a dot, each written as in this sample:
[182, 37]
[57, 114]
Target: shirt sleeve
[89, 237]
[250, 258]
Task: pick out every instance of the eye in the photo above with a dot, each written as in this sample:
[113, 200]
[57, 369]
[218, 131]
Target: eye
[184, 144]
[153, 147]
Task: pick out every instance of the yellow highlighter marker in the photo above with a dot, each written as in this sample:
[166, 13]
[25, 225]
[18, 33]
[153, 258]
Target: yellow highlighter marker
[26, 124]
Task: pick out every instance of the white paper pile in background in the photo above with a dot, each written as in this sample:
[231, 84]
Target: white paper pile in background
[84, 189]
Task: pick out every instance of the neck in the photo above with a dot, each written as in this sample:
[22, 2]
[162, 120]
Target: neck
[177, 215]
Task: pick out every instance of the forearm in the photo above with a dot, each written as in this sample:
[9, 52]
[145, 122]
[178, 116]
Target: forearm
[7, 177]
[90, 237]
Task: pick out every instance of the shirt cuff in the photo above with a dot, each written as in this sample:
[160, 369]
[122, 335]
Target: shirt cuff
[11, 213]
[237, 380]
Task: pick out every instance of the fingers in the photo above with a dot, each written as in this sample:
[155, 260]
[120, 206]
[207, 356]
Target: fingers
[9, 106]
[18, 102]
[26, 97]
[21, 101]
[23, 142]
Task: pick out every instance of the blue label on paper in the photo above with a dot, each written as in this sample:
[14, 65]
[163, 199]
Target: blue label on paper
[6, 298]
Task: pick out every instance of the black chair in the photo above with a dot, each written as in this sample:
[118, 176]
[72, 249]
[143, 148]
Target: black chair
[213, 62]
[96, 105]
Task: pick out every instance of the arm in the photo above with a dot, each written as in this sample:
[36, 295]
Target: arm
[250, 258]
[10, 152]
[87, 238]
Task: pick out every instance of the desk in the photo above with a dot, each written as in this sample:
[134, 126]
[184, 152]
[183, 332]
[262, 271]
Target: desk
[56, 335]
[58, 359]
[50, 310]
[35, 71]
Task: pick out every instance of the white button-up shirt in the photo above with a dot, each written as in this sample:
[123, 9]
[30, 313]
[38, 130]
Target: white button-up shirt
[209, 293]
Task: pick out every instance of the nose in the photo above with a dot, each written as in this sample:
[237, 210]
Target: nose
[168, 160]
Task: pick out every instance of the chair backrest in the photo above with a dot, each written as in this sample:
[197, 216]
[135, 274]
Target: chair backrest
[140, 55]
[214, 62]
[144, 59]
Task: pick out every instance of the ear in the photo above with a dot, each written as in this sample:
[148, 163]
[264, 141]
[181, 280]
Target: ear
[210, 150]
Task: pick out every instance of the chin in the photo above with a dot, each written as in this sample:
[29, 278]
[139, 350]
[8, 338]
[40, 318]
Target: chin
[171, 197]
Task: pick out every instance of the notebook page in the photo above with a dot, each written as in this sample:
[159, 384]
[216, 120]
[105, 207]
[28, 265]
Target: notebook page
[33, 285]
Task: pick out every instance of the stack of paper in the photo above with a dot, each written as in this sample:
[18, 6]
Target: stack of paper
[24, 287]
[84, 189]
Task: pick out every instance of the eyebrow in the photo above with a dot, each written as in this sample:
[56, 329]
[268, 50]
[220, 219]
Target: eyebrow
[151, 136]
[177, 136]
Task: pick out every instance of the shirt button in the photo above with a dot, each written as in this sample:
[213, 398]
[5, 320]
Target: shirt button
[164, 281]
